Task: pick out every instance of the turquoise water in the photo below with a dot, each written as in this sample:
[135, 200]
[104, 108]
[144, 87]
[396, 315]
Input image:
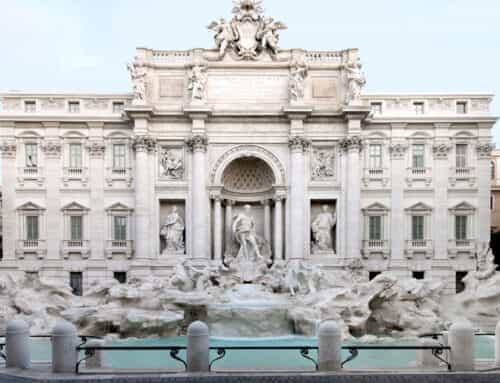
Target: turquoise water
[260, 359]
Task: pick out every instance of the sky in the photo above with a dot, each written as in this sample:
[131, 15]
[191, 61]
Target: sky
[405, 46]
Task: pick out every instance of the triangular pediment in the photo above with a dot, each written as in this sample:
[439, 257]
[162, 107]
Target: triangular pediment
[75, 206]
[30, 206]
[463, 206]
[376, 206]
[420, 206]
[119, 206]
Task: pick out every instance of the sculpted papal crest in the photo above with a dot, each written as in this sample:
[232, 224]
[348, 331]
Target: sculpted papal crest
[249, 33]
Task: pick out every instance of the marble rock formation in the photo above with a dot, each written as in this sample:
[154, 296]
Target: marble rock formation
[286, 298]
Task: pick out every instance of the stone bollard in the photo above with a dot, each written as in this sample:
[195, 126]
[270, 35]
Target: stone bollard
[425, 359]
[96, 361]
[64, 343]
[329, 347]
[497, 345]
[461, 341]
[17, 345]
[197, 347]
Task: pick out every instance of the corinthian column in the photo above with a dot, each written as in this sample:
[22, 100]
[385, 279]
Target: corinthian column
[298, 146]
[278, 228]
[217, 228]
[142, 145]
[352, 148]
[199, 198]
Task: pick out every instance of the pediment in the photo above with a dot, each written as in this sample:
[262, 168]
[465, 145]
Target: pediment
[119, 207]
[463, 206]
[30, 206]
[420, 206]
[75, 206]
[377, 206]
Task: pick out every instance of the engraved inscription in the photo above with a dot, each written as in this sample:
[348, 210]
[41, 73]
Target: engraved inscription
[324, 88]
[171, 87]
[271, 89]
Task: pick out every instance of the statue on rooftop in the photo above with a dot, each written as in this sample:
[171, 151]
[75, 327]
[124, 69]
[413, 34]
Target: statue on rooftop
[138, 74]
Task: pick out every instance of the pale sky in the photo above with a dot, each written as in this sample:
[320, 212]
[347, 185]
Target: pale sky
[84, 45]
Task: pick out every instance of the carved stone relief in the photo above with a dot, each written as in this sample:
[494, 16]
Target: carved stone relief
[172, 163]
[323, 164]
[441, 150]
[484, 150]
[52, 149]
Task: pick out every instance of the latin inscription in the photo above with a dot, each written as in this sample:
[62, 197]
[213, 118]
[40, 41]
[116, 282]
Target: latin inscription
[234, 89]
[171, 87]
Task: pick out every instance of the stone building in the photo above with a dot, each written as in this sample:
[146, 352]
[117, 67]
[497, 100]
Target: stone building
[495, 190]
[246, 145]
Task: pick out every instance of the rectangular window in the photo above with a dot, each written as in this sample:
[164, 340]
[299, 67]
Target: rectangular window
[376, 107]
[461, 107]
[30, 106]
[461, 156]
[461, 227]
[120, 226]
[119, 156]
[375, 228]
[75, 156]
[118, 107]
[74, 107]
[32, 232]
[76, 283]
[417, 227]
[418, 275]
[76, 223]
[31, 151]
[419, 107]
[418, 156]
[375, 156]
[120, 276]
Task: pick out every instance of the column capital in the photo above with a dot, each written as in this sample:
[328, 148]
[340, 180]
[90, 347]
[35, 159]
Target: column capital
[298, 143]
[484, 150]
[144, 144]
[229, 202]
[197, 143]
[52, 148]
[265, 202]
[96, 148]
[8, 149]
[352, 143]
[441, 150]
[398, 150]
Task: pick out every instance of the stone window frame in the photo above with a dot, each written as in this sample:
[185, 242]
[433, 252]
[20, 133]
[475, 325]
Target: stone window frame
[29, 137]
[468, 172]
[380, 105]
[31, 209]
[375, 174]
[420, 209]
[75, 209]
[71, 104]
[112, 174]
[122, 210]
[30, 101]
[425, 173]
[463, 209]
[466, 105]
[377, 209]
[425, 106]
[68, 139]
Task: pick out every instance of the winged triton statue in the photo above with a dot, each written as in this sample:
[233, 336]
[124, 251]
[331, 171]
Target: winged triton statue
[249, 33]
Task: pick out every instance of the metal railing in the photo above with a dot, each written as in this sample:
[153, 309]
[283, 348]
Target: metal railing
[30, 171]
[75, 172]
[89, 352]
[463, 172]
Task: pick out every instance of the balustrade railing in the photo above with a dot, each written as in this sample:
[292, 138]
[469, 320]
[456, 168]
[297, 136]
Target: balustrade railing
[375, 244]
[31, 244]
[75, 172]
[419, 172]
[419, 243]
[30, 171]
[75, 244]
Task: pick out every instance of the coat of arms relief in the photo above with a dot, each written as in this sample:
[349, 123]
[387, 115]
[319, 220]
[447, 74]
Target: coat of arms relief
[249, 33]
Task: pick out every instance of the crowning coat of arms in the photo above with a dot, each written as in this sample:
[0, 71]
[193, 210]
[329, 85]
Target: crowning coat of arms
[249, 33]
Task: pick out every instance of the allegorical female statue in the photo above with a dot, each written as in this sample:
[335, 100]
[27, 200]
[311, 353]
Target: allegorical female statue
[173, 231]
[322, 229]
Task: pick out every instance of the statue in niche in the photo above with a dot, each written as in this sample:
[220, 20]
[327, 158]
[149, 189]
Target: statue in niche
[323, 164]
[173, 232]
[357, 80]
[298, 76]
[138, 75]
[172, 164]
[244, 233]
[197, 83]
[321, 228]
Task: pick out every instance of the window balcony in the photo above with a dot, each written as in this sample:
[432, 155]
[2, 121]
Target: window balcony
[119, 174]
[376, 246]
[375, 175]
[419, 176]
[76, 246]
[31, 246]
[30, 173]
[75, 174]
[423, 246]
[466, 174]
[116, 246]
[463, 246]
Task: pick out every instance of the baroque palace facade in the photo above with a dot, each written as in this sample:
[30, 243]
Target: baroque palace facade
[211, 141]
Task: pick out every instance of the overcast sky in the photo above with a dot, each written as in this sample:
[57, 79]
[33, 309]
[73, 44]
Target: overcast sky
[83, 45]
